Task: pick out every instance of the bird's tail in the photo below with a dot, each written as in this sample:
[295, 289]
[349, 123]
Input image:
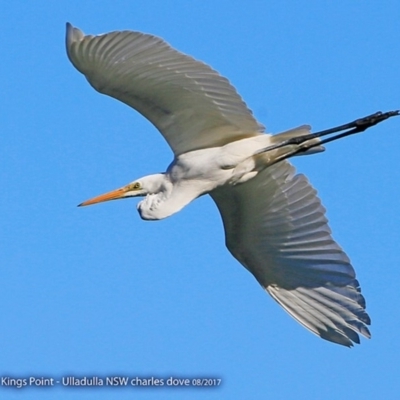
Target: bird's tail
[308, 147]
[282, 147]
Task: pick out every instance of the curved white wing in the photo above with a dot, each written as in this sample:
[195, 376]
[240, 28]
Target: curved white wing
[191, 104]
[276, 227]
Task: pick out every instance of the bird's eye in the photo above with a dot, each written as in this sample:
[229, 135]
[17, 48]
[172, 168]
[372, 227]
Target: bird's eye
[136, 185]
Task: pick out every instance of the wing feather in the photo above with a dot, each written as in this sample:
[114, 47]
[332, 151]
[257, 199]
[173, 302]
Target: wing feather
[276, 227]
[191, 104]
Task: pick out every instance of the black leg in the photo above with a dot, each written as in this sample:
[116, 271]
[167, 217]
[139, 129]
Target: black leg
[357, 126]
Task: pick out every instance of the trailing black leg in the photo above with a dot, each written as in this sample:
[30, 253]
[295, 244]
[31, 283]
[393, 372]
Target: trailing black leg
[357, 126]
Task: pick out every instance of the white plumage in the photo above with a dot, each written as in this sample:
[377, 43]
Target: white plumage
[274, 222]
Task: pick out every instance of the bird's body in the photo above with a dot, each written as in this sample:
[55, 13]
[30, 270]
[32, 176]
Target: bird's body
[199, 172]
[274, 223]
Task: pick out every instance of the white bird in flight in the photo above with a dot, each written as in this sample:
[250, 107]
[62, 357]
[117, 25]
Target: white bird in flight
[275, 225]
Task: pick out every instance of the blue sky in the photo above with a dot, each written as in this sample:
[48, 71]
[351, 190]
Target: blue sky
[99, 292]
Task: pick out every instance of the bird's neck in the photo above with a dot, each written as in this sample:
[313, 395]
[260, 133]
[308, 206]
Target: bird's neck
[164, 198]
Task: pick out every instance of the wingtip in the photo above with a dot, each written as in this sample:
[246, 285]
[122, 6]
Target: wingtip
[72, 34]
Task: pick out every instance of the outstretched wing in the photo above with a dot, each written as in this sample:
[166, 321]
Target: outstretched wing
[191, 104]
[276, 227]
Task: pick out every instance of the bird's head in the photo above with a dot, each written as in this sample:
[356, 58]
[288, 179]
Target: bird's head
[141, 187]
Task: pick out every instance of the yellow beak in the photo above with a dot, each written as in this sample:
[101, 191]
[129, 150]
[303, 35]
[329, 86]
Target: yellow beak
[113, 195]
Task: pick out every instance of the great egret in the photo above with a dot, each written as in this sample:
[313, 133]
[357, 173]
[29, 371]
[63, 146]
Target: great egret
[274, 222]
